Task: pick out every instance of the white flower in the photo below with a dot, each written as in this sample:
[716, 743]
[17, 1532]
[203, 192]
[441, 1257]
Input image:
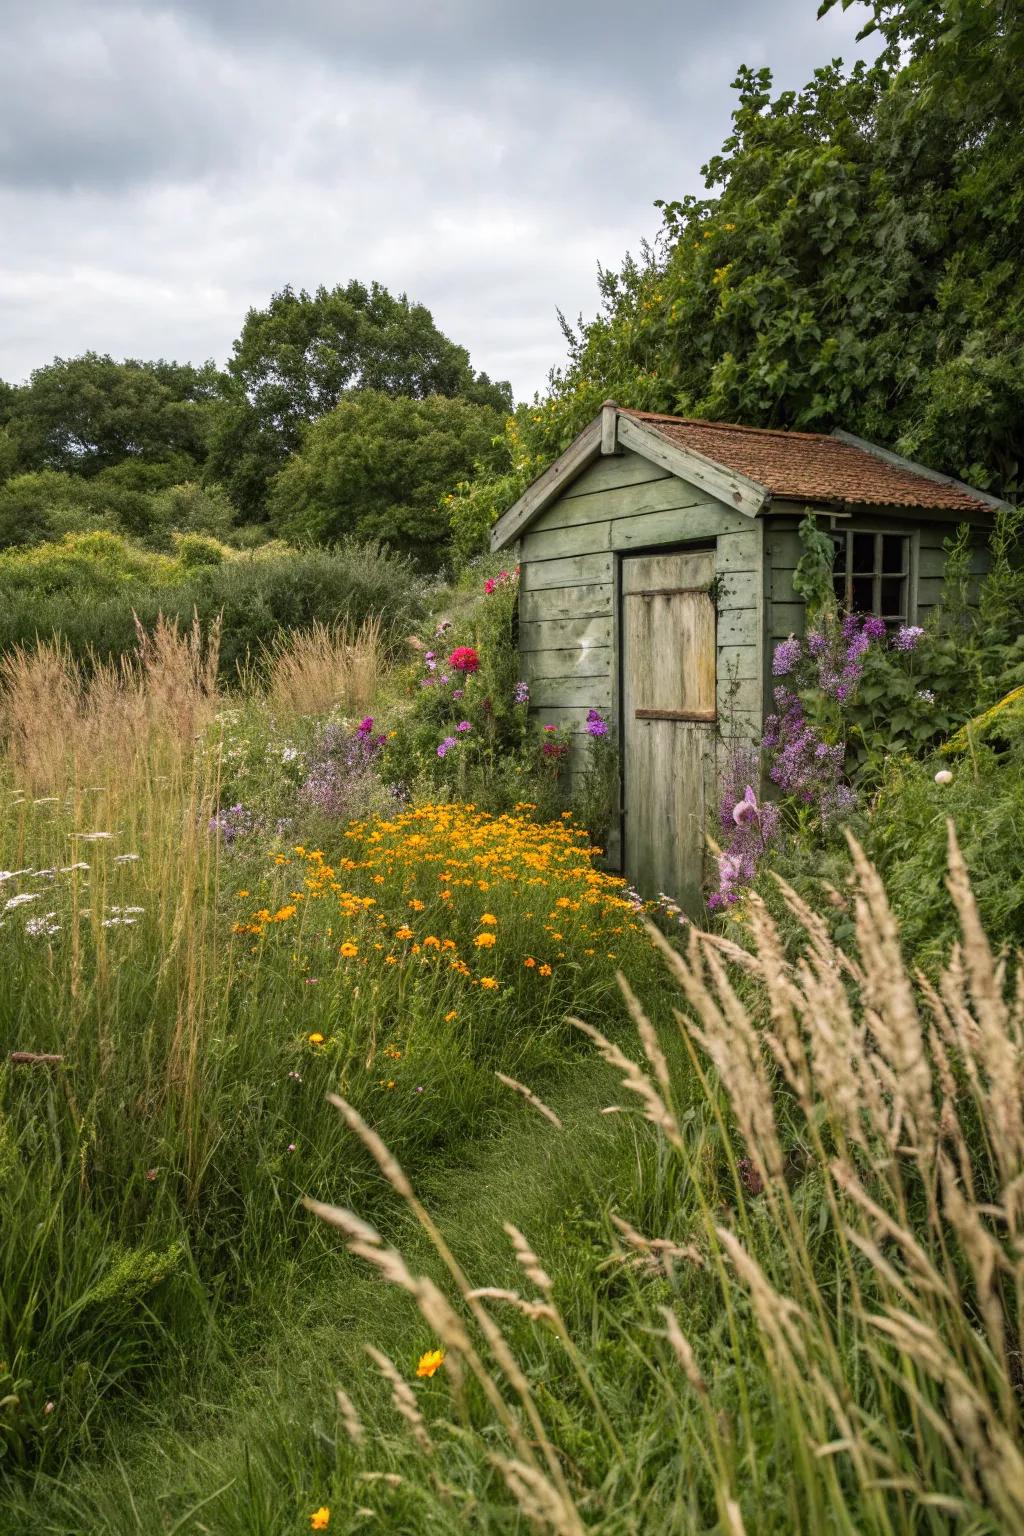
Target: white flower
[118, 922]
[122, 858]
[68, 868]
[42, 925]
[943, 776]
[124, 911]
[93, 837]
[19, 901]
[12, 874]
[289, 754]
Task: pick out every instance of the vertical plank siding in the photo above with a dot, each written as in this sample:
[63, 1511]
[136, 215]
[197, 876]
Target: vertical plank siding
[623, 505]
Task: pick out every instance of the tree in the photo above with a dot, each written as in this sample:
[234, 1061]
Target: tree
[295, 359]
[85, 414]
[377, 467]
[854, 263]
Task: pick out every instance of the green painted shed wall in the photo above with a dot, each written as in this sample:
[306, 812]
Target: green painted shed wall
[624, 504]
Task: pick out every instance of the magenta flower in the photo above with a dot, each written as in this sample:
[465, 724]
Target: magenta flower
[463, 725]
[596, 724]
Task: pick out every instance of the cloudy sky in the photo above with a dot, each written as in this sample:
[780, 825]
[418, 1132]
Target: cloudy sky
[165, 164]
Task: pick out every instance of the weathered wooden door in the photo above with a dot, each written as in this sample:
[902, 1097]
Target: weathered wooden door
[668, 719]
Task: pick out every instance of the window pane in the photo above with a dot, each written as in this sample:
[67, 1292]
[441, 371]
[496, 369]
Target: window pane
[864, 553]
[893, 597]
[863, 594]
[839, 555]
[894, 554]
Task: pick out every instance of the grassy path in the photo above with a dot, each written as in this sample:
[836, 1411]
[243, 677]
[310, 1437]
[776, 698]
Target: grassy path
[252, 1450]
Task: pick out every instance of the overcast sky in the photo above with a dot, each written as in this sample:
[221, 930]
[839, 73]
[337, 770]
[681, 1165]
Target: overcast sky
[163, 166]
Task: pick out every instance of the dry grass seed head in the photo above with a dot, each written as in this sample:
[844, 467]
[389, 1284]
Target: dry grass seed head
[403, 1398]
[656, 1111]
[531, 1098]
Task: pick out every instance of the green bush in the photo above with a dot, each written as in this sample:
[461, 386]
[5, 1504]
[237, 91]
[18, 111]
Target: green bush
[89, 587]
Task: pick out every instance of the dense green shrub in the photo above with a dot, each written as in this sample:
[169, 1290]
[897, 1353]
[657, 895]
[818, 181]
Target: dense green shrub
[89, 588]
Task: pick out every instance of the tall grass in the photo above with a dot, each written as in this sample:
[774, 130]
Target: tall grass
[162, 1113]
[829, 1331]
[326, 667]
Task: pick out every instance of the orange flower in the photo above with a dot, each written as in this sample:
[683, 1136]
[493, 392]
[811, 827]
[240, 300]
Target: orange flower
[529, 962]
[349, 950]
[485, 941]
[416, 904]
[489, 982]
[320, 1519]
[430, 1362]
[545, 970]
[452, 1014]
[405, 932]
[489, 920]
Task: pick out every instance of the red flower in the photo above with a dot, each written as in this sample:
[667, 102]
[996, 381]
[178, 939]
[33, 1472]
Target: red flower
[489, 585]
[464, 659]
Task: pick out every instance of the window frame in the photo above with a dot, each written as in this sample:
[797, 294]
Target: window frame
[907, 573]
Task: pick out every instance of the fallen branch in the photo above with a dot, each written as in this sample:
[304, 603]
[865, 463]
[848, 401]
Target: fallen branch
[33, 1059]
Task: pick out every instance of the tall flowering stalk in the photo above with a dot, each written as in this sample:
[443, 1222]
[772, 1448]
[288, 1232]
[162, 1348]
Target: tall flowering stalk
[804, 745]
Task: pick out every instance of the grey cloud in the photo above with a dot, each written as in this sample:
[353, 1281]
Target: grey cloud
[164, 166]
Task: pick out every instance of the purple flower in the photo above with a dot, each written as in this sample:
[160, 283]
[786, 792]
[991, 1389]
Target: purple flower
[430, 661]
[457, 693]
[906, 637]
[787, 654]
[446, 746]
[365, 726]
[521, 693]
[874, 628]
[596, 724]
[463, 725]
[233, 822]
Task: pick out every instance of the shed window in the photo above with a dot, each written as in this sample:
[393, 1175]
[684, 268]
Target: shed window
[871, 573]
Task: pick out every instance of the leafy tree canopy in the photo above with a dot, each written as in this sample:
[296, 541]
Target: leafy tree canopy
[295, 359]
[854, 263]
[377, 467]
[85, 414]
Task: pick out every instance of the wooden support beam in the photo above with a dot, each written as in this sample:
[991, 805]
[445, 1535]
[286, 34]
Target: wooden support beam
[609, 428]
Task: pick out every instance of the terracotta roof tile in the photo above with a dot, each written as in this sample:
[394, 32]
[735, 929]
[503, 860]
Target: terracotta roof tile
[811, 466]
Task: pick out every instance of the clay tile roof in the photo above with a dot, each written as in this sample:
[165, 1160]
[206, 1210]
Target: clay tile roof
[811, 466]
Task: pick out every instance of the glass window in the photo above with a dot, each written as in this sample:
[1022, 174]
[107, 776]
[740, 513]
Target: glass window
[871, 574]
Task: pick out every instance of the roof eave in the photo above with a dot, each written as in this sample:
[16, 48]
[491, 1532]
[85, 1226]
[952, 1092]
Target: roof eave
[888, 457]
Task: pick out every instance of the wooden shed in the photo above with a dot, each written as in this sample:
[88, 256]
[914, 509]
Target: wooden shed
[657, 558]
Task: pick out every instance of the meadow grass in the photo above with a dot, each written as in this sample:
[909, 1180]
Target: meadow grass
[736, 1250]
[153, 1173]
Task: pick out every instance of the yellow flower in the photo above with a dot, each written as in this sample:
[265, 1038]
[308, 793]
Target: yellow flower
[348, 949]
[320, 1519]
[430, 1362]
[489, 920]
[545, 970]
[390, 959]
[416, 904]
[485, 941]
[405, 932]
[452, 1014]
[529, 962]
[242, 895]
[489, 982]
[316, 1039]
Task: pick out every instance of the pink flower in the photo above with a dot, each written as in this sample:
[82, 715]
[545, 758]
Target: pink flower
[151, 1174]
[489, 585]
[746, 810]
[463, 725]
[291, 1146]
